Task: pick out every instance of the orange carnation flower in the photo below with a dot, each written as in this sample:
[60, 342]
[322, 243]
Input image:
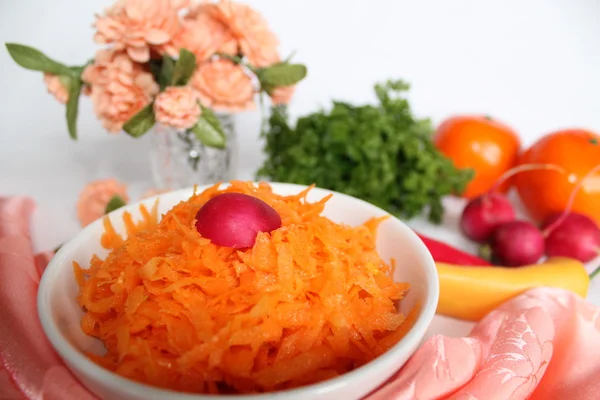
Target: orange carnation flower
[178, 107]
[94, 198]
[256, 41]
[223, 86]
[137, 26]
[120, 88]
[56, 88]
[282, 94]
[204, 34]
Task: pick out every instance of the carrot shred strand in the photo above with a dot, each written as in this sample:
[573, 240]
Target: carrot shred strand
[308, 302]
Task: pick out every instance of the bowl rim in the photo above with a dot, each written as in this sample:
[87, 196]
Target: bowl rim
[72, 356]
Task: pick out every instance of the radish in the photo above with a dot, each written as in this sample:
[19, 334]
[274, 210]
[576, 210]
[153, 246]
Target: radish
[517, 243]
[234, 220]
[482, 215]
[575, 236]
[570, 234]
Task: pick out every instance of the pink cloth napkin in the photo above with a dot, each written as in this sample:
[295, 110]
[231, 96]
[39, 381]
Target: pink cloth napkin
[544, 344]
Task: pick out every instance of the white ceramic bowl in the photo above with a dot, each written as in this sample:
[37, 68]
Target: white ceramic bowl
[60, 315]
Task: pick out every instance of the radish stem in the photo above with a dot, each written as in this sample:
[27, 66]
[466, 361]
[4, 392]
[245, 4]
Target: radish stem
[594, 273]
[570, 202]
[597, 270]
[523, 168]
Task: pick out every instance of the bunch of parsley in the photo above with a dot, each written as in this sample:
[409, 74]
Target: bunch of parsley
[379, 153]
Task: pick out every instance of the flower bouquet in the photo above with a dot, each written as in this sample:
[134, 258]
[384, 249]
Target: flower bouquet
[175, 64]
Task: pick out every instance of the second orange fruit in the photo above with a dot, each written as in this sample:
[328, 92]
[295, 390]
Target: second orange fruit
[546, 192]
[481, 143]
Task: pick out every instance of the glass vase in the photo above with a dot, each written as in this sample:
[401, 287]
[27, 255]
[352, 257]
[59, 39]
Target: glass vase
[179, 159]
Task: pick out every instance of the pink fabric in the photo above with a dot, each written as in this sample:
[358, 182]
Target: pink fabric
[544, 344]
[26, 357]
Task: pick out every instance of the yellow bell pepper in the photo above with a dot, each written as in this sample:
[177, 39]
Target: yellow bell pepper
[469, 293]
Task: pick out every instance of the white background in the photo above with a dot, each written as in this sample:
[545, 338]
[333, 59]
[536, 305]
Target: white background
[534, 64]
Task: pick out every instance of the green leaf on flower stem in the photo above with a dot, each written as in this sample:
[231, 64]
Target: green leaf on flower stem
[30, 58]
[155, 66]
[268, 89]
[115, 202]
[209, 131]
[184, 68]
[281, 74]
[141, 122]
[165, 76]
[212, 119]
[65, 81]
[74, 86]
[77, 71]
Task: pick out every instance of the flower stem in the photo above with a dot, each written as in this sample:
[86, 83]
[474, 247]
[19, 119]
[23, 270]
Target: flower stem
[235, 59]
[193, 155]
[238, 60]
[289, 58]
[263, 115]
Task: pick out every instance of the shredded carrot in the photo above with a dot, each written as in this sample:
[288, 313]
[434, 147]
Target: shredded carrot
[308, 302]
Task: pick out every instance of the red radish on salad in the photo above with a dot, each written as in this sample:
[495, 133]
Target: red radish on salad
[234, 219]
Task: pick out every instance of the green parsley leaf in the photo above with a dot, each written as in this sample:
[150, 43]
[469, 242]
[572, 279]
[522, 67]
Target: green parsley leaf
[380, 153]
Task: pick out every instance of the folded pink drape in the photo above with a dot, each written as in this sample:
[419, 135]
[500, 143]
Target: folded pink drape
[29, 363]
[544, 344]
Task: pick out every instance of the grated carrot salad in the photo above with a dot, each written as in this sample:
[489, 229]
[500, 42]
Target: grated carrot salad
[310, 301]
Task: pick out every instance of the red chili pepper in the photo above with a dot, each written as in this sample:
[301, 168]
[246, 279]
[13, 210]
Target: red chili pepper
[442, 252]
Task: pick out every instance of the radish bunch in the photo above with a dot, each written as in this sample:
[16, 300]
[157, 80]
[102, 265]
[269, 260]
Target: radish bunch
[491, 220]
